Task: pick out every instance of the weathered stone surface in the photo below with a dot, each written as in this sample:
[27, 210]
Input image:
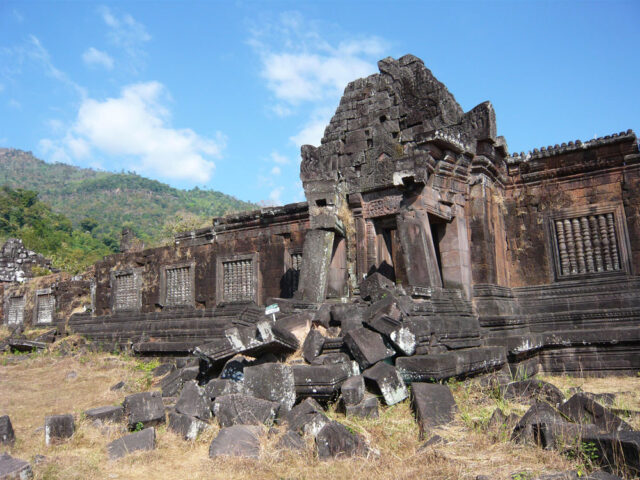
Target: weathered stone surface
[533, 390]
[271, 381]
[142, 440]
[14, 469]
[433, 405]
[144, 408]
[315, 265]
[58, 428]
[367, 347]
[217, 387]
[172, 383]
[186, 426]
[331, 359]
[375, 286]
[307, 417]
[297, 325]
[618, 451]
[321, 382]
[352, 390]
[238, 409]
[529, 428]
[312, 346]
[291, 441]
[582, 409]
[388, 381]
[109, 413]
[335, 441]
[237, 441]
[499, 420]
[163, 369]
[367, 408]
[194, 402]
[7, 435]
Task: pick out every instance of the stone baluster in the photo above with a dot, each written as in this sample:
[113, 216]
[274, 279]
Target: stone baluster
[588, 247]
[597, 244]
[577, 235]
[562, 248]
[571, 246]
[604, 238]
[613, 242]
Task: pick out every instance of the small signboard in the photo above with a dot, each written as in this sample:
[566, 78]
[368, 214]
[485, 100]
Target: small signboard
[272, 309]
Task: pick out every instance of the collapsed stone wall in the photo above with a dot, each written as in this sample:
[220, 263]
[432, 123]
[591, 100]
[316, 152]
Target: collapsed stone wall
[17, 262]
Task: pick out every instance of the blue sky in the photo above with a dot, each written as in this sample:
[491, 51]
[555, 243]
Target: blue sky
[222, 94]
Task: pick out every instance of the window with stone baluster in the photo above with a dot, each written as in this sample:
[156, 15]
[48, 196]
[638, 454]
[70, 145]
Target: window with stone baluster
[589, 241]
[15, 313]
[177, 285]
[237, 279]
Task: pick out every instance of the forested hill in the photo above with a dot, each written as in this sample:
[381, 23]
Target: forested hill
[113, 200]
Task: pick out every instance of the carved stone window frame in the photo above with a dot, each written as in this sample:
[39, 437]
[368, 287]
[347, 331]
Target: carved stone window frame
[624, 246]
[36, 306]
[163, 284]
[137, 278]
[288, 263]
[255, 262]
[7, 306]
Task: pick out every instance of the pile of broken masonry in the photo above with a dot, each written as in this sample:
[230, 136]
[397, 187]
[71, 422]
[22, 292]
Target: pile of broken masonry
[281, 375]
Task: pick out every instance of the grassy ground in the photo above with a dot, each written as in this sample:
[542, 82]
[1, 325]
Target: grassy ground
[36, 385]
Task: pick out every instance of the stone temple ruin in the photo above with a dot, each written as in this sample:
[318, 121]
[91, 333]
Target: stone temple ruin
[423, 241]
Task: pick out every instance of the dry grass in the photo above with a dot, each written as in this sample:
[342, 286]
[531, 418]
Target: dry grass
[40, 385]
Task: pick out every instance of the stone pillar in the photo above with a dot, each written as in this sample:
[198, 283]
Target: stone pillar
[483, 247]
[316, 258]
[455, 255]
[418, 250]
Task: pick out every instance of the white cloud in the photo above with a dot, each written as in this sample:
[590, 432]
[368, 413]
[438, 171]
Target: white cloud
[126, 33]
[276, 196]
[36, 52]
[305, 71]
[276, 170]
[93, 57]
[136, 126]
[13, 103]
[279, 159]
[18, 16]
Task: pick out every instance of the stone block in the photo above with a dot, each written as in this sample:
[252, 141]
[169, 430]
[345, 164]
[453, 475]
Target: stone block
[291, 441]
[163, 369]
[237, 441]
[321, 382]
[367, 347]
[142, 440]
[318, 246]
[619, 451]
[312, 346]
[331, 359]
[271, 381]
[12, 468]
[194, 402]
[367, 408]
[334, 440]
[307, 417]
[584, 410]
[238, 409]
[433, 405]
[109, 413]
[529, 427]
[352, 390]
[172, 383]
[499, 420]
[186, 426]
[297, 325]
[144, 408]
[388, 381]
[533, 391]
[58, 428]
[7, 435]
[217, 387]
[375, 286]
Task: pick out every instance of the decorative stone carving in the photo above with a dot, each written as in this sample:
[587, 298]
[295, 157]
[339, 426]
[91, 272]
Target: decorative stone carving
[15, 315]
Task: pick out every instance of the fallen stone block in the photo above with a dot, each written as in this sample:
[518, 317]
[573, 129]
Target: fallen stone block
[221, 386]
[297, 325]
[331, 359]
[238, 409]
[533, 391]
[186, 426]
[433, 405]
[375, 286]
[109, 413]
[291, 441]
[163, 369]
[172, 383]
[12, 468]
[58, 428]
[536, 424]
[347, 315]
[7, 435]
[367, 347]
[388, 381]
[617, 451]
[441, 366]
[334, 440]
[321, 382]
[117, 386]
[194, 402]
[367, 408]
[312, 345]
[582, 409]
[237, 441]
[307, 417]
[144, 408]
[271, 381]
[499, 420]
[352, 390]
[142, 440]
[334, 345]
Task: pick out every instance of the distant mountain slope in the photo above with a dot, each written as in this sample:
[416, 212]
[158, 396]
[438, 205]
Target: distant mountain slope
[114, 200]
